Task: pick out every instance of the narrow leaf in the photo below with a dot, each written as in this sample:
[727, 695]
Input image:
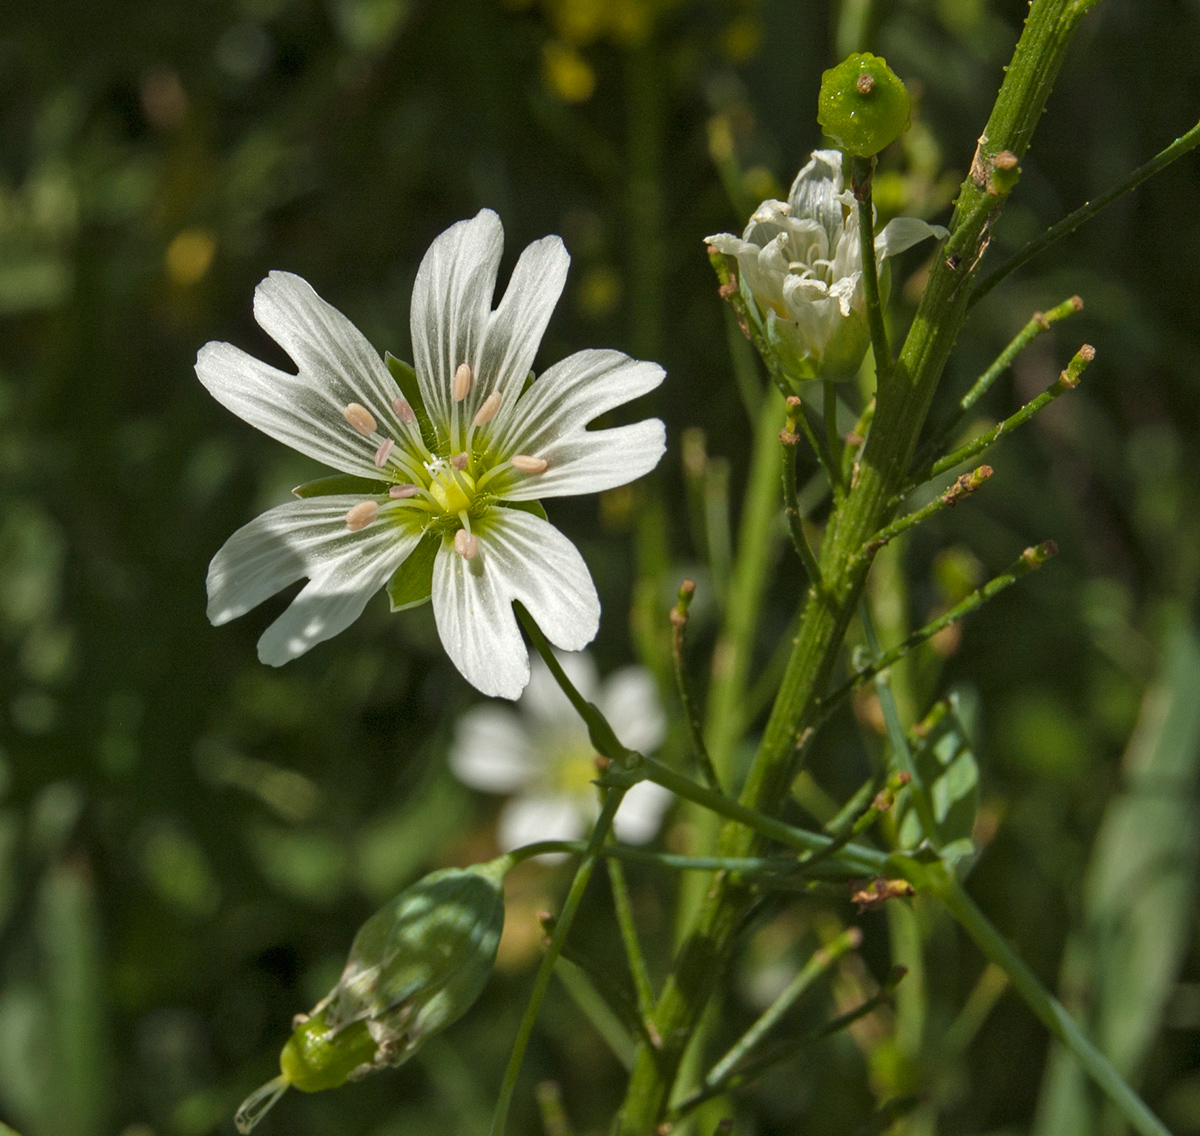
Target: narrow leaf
[406, 378]
[340, 483]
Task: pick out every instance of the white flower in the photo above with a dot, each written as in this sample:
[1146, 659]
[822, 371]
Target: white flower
[801, 263]
[445, 474]
[542, 755]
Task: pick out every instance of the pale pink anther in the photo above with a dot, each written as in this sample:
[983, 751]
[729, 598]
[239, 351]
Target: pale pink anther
[488, 410]
[360, 418]
[403, 411]
[459, 461]
[466, 544]
[361, 515]
[384, 452]
[399, 492]
[461, 386]
[526, 464]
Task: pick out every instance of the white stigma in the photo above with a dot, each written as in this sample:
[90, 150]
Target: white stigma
[461, 386]
[403, 411]
[399, 492]
[384, 452]
[360, 418]
[466, 544]
[361, 515]
[526, 464]
[488, 410]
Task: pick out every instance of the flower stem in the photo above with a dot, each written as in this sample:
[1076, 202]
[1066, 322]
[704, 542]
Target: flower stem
[629, 936]
[1067, 381]
[861, 172]
[583, 873]
[679, 621]
[833, 439]
[791, 506]
[1089, 210]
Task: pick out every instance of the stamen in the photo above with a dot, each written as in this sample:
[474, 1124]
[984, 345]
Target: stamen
[526, 464]
[488, 410]
[400, 492]
[459, 461]
[461, 386]
[361, 515]
[466, 544]
[384, 452]
[403, 411]
[360, 418]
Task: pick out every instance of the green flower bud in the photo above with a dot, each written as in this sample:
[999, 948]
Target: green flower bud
[414, 967]
[863, 105]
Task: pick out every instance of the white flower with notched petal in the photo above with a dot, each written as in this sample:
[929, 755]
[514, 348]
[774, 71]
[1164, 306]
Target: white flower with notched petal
[444, 466]
[542, 755]
[801, 262]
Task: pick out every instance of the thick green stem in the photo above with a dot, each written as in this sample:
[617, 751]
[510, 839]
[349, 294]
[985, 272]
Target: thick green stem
[903, 403]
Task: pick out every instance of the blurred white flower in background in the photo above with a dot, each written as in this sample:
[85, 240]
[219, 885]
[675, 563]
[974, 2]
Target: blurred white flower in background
[540, 753]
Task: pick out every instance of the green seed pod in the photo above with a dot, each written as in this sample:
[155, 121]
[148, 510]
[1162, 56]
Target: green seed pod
[863, 105]
[414, 967]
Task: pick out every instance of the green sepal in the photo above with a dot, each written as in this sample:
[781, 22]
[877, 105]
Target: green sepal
[534, 507]
[412, 583]
[406, 379]
[340, 483]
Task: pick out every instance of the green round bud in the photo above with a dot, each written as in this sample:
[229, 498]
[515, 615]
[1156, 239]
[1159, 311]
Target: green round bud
[863, 105]
[317, 1057]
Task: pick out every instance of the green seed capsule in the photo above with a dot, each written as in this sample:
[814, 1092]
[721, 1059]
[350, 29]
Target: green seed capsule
[414, 967]
[863, 105]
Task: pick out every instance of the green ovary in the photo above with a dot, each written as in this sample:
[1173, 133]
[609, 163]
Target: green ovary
[315, 1058]
[453, 490]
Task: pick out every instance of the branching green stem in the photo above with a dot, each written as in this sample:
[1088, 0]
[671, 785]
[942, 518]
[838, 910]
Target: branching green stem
[791, 506]
[861, 172]
[679, 621]
[1067, 381]
[819, 964]
[1038, 323]
[1089, 210]
[629, 937]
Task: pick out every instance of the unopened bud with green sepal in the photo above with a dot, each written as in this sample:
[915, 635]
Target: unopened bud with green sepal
[414, 967]
[863, 105]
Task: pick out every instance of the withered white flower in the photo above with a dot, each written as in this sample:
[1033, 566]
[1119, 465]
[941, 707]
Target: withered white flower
[801, 264]
[541, 755]
[442, 468]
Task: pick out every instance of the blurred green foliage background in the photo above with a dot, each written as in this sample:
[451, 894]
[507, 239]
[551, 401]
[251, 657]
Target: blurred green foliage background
[188, 839]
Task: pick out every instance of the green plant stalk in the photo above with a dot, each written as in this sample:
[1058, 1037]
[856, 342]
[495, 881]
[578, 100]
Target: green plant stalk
[541, 981]
[629, 937]
[791, 505]
[1038, 323]
[1088, 210]
[691, 718]
[820, 963]
[833, 440]
[965, 485]
[1067, 381]
[903, 403]
[1056, 1019]
[861, 172]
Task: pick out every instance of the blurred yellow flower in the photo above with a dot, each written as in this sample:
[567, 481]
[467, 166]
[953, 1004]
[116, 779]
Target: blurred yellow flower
[567, 74]
[189, 256]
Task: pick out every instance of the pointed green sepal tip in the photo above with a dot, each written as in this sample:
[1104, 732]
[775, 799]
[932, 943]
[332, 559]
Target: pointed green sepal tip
[863, 105]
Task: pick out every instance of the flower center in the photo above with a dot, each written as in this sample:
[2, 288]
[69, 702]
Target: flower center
[453, 489]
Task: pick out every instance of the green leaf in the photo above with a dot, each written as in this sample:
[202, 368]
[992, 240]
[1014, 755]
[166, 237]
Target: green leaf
[339, 483]
[948, 770]
[406, 378]
[534, 507]
[412, 583]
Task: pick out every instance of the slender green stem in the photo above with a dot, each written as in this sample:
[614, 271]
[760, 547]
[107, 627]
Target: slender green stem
[896, 736]
[861, 172]
[791, 505]
[963, 487]
[856, 825]
[1046, 1006]
[595, 1007]
[1029, 560]
[833, 439]
[765, 866]
[583, 873]
[1089, 210]
[679, 621]
[1067, 381]
[752, 1069]
[629, 937]
[856, 858]
[819, 964]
